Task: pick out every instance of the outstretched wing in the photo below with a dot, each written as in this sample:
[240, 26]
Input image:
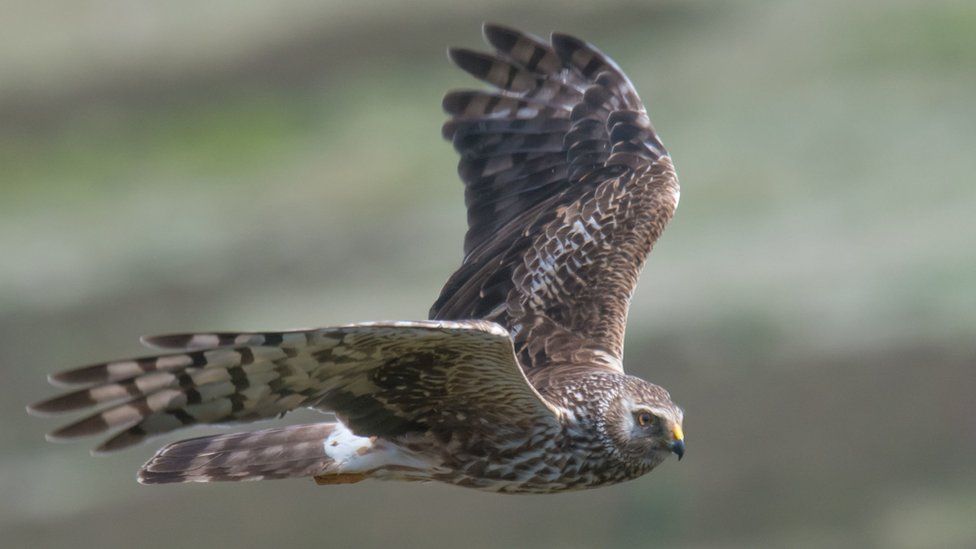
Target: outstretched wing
[567, 188]
[382, 379]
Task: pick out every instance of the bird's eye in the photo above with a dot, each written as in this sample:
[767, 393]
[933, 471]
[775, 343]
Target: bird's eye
[645, 419]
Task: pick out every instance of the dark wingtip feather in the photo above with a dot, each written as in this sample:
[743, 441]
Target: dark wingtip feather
[53, 380]
[448, 130]
[83, 375]
[472, 62]
[125, 439]
[591, 62]
[50, 437]
[563, 39]
[456, 101]
[166, 341]
[500, 36]
[88, 426]
[38, 409]
[62, 404]
[566, 44]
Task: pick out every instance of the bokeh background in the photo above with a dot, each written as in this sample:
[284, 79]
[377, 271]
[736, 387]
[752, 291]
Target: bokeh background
[239, 164]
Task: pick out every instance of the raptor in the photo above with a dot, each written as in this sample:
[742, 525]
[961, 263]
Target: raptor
[515, 383]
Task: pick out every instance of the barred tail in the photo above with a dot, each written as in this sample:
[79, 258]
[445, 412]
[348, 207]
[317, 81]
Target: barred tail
[295, 451]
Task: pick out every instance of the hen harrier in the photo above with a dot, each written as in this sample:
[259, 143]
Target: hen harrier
[515, 384]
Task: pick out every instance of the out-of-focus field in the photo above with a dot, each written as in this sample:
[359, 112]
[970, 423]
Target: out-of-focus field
[241, 165]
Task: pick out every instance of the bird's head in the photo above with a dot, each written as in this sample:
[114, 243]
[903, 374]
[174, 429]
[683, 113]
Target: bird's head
[644, 424]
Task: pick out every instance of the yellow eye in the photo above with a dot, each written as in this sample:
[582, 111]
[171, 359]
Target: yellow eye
[644, 419]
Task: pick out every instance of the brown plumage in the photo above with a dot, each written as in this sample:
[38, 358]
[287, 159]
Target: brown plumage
[516, 384]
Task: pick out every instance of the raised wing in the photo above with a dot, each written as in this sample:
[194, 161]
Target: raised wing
[567, 188]
[382, 379]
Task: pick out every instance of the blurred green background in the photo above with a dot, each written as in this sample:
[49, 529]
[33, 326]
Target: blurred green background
[171, 166]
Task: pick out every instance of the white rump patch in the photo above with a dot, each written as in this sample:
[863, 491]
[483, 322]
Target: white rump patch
[356, 454]
[343, 446]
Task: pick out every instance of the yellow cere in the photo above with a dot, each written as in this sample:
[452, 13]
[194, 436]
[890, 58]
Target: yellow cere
[677, 433]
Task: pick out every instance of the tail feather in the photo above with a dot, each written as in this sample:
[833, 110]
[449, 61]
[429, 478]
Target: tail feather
[295, 451]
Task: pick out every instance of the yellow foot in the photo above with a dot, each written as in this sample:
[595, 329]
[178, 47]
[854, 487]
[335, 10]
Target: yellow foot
[341, 478]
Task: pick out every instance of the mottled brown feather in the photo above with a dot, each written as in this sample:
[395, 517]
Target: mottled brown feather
[381, 379]
[561, 213]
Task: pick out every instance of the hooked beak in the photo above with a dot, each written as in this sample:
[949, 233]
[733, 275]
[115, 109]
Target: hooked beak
[678, 442]
[678, 448]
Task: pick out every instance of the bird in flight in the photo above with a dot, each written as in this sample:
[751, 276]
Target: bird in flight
[515, 384]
